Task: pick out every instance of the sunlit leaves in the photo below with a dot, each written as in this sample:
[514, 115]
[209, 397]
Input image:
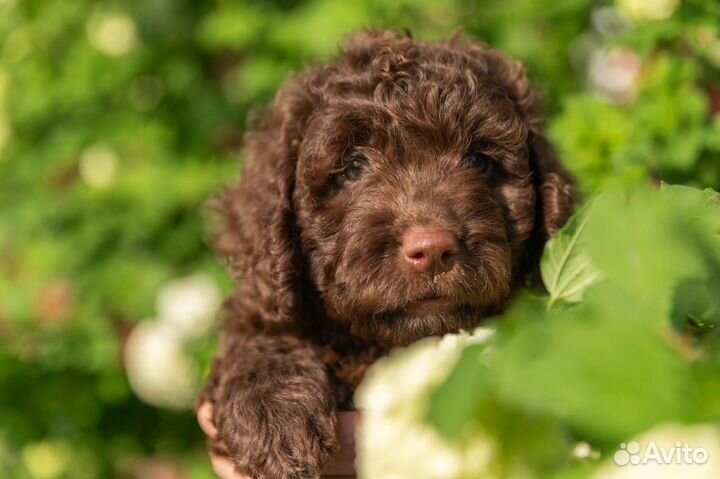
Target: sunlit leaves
[567, 270]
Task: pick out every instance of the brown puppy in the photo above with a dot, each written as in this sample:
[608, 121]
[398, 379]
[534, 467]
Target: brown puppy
[403, 192]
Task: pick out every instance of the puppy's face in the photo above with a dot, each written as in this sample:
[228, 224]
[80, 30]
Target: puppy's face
[415, 201]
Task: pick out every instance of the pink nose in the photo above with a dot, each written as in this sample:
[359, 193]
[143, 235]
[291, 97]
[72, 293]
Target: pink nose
[428, 250]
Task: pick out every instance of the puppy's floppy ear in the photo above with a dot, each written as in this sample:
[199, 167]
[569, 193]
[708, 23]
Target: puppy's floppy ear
[257, 236]
[554, 185]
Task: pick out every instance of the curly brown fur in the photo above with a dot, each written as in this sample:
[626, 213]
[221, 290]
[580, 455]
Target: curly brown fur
[346, 160]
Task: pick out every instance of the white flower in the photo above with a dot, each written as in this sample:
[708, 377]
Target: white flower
[98, 166]
[608, 21]
[189, 304]
[158, 370]
[584, 450]
[615, 74]
[643, 10]
[46, 459]
[394, 441]
[645, 456]
[113, 34]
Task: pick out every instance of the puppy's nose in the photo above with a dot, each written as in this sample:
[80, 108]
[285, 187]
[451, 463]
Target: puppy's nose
[428, 250]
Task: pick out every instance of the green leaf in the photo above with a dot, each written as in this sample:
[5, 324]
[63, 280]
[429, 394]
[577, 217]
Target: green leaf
[454, 404]
[705, 203]
[707, 198]
[567, 270]
[647, 242]
[695, 307]
[599, 367]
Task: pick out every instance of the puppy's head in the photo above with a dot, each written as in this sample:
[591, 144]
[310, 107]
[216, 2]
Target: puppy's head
[408, 188]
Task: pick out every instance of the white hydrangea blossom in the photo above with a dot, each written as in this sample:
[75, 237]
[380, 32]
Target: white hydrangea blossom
[98, 166]
[394, 442]
[158, 369]
[615, 74]
[112, 33]
[644, 10]
[632, 461]
[47, 459]
[189, 304]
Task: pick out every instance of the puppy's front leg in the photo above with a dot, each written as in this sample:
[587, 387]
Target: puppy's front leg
[274, 408]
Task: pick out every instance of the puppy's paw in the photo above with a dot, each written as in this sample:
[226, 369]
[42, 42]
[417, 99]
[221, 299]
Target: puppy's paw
[277, 429]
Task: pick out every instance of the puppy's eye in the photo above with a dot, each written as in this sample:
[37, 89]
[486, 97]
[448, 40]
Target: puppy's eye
[480, 161]
[356, 163]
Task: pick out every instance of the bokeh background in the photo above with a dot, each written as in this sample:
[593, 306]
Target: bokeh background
[119, 119]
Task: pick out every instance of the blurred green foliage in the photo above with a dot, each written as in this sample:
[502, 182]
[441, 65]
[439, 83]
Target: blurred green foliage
[632, 354]
[118, 119]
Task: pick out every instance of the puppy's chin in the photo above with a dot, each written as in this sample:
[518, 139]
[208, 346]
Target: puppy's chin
[421, 319]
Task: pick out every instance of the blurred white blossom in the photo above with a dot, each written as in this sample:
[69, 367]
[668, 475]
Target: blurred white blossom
[584, 450]
[188, 305]
[394, 400]
[98, 166]
[643, 10]
[669, 437]
[608, 21]
[158, 369]
[46, 459]
[615, 74]
[456, 342]
[709, 41]
[113, 34]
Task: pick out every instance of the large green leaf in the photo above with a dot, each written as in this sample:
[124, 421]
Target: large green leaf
[599, 367]
[647, 242]
[708, 197]
[567, 270]
[698, 202]
[453, 406]
[695, 306]
[611, 365]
